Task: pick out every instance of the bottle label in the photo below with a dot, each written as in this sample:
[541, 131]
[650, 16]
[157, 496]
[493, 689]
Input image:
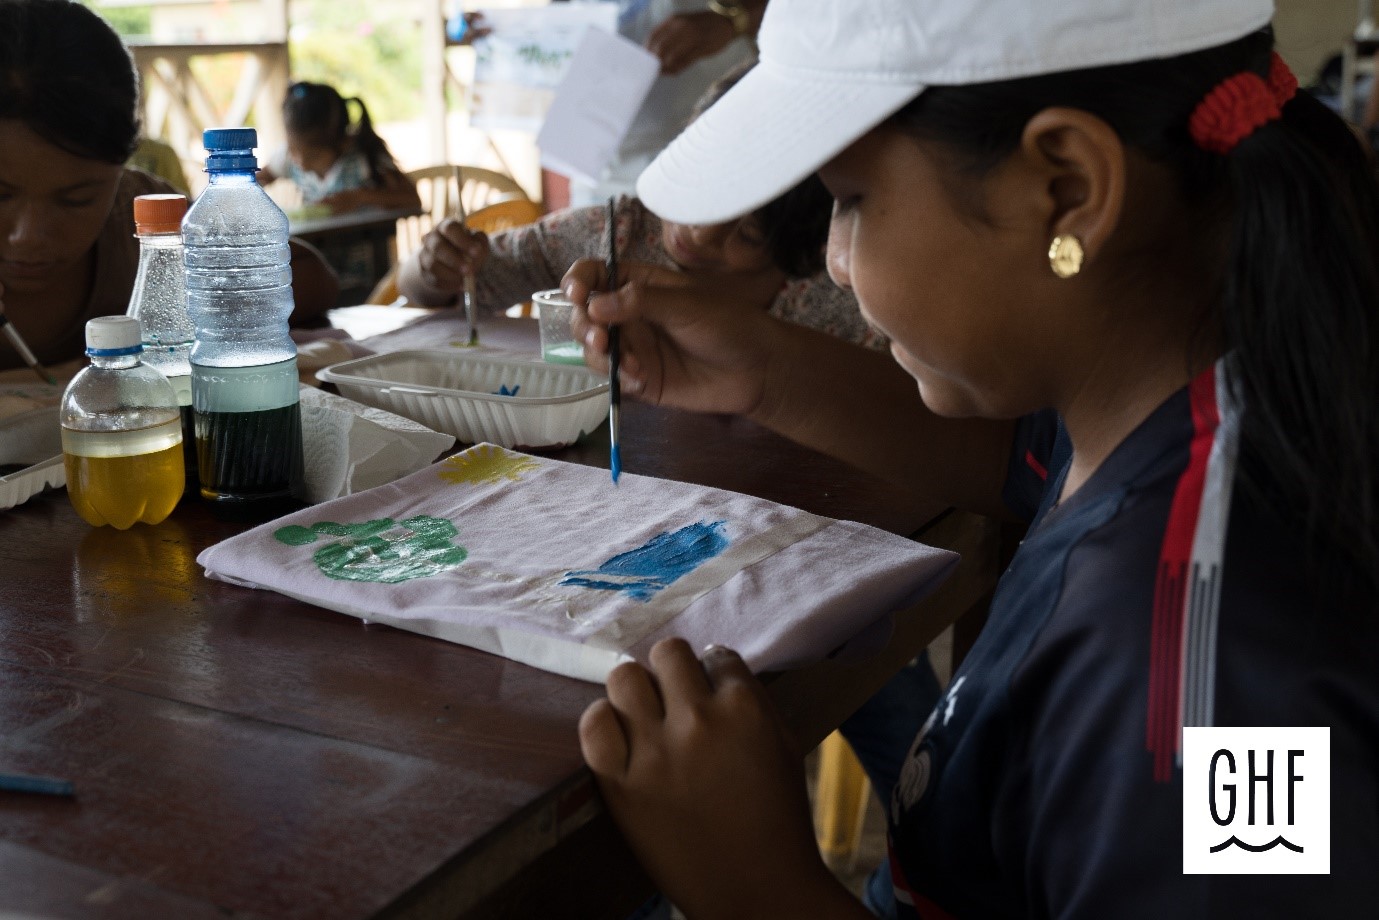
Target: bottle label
[244, 389]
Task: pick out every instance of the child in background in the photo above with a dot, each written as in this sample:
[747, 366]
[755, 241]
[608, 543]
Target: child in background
[1132, 273]
[337, 163]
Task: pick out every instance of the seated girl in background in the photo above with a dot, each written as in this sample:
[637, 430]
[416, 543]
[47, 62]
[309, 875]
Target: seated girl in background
[68, 123]
[342, 165]
[778, 247]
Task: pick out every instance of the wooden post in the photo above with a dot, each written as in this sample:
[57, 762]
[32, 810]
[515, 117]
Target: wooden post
[433, 76]
[275, 75]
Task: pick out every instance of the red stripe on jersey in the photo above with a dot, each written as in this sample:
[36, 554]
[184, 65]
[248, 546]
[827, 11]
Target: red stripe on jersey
[1163, 730]
[922, 906]
[1033, 463]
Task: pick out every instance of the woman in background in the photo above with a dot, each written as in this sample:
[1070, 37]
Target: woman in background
[68, 123]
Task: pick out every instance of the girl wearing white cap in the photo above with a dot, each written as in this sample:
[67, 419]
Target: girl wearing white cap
[1134, 274]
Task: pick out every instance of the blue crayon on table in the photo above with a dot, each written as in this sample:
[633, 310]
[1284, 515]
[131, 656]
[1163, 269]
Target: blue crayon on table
[39, 785]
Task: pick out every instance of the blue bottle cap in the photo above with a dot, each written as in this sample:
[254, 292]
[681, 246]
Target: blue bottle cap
[217, 139]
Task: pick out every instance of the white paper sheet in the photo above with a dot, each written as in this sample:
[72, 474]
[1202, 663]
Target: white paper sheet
[595, 104]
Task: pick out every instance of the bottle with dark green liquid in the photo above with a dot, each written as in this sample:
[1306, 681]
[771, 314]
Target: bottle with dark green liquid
[244, 364]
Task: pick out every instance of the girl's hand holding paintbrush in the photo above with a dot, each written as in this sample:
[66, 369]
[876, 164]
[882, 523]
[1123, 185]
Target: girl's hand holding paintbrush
[684, 343]
[19, 345]
[450, 253]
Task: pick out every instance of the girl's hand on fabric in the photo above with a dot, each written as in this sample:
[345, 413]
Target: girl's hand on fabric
[686, 38]
[705, 782]
[685, 342]
[450, 253]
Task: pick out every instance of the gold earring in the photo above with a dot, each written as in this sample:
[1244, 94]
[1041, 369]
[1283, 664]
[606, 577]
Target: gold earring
[1065, 255]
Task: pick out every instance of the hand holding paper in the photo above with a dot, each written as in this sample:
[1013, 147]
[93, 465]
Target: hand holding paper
[595, 104]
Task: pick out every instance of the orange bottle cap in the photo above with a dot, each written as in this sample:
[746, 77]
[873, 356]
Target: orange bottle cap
[159, 213]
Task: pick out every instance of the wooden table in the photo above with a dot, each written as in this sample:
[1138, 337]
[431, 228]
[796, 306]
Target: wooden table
[238, 753]
[357, 244]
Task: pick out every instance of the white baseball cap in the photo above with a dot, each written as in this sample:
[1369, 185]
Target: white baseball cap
[831, 70]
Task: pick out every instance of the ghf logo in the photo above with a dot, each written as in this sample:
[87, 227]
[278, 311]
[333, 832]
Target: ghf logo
[1256, 801]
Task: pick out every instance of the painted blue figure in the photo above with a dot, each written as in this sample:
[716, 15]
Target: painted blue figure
[642, 572]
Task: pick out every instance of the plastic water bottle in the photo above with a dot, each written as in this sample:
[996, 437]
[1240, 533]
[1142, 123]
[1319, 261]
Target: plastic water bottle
[244, 364]
[159, 303]
[121, 432]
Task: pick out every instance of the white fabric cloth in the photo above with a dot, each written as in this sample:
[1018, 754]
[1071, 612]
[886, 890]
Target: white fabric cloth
[550, 564]
[349, 447]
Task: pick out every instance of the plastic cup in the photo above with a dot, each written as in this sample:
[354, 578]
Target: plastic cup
[558, 345]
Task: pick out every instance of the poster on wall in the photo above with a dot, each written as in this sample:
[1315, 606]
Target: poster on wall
[524, 58]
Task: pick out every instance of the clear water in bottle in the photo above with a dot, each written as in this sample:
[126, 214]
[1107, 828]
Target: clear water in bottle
[159, 303]
[121, 432]
[244, 364]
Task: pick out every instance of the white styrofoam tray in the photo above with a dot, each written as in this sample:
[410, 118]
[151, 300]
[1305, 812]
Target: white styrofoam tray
[33, 437]
[458, 393]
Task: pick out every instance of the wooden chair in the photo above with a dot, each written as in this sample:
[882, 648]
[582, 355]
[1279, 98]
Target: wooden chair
[502, 215]
[840, 803]
[439, 193]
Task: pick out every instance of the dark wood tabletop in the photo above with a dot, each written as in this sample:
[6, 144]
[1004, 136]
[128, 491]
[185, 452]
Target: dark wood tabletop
[238, 753]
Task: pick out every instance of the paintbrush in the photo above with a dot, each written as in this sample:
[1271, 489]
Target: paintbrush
[614, 390]
[469, 294]
[22, 347]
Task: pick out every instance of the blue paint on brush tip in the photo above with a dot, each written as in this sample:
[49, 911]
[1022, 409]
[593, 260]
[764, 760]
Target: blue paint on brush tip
[615, 463]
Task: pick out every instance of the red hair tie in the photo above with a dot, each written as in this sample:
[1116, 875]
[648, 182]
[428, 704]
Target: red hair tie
[1238, 105]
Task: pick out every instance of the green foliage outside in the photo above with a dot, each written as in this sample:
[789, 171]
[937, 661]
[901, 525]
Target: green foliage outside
[361, 51]
[361, 48]
[129, 21]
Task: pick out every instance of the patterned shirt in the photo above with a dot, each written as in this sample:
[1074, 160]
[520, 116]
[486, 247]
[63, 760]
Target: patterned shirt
[535, 257]
[349, 172]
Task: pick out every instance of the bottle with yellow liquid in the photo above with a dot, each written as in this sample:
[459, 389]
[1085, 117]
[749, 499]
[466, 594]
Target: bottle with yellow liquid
[121, 432]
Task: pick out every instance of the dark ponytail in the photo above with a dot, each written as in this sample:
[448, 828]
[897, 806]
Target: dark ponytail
[319, 115]
[1300, 304]
[67, 76]
[1297, 296]
[373, 147]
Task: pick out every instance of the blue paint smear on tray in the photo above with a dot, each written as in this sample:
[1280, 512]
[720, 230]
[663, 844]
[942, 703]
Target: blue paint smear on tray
[504, 391]
[642, 572]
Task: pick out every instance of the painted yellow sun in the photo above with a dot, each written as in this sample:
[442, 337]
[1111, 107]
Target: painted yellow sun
[486, 464]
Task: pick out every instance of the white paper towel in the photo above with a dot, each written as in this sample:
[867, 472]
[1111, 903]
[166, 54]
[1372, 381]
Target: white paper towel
[349, 447]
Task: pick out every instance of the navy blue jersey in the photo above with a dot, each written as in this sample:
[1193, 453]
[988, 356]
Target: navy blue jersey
[1046, 782]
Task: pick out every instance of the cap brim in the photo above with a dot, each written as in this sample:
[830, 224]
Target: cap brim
[766, 134]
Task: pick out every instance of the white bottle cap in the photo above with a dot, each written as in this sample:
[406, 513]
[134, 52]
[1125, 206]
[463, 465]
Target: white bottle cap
[113, 333]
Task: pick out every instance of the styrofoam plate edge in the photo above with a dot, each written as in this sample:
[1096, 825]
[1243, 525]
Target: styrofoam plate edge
[17, 488]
